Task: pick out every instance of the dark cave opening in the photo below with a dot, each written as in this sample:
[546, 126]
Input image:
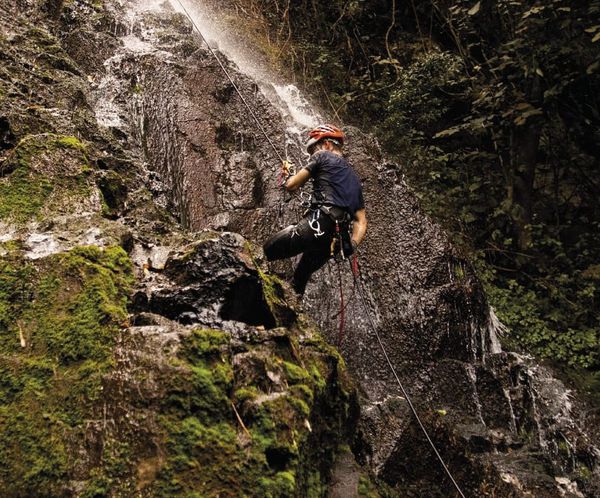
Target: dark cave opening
[245, 302]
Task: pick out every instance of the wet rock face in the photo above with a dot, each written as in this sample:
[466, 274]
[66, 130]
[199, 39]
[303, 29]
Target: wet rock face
[128, 108]
[197, 132]
[214, 274]
[430, 310]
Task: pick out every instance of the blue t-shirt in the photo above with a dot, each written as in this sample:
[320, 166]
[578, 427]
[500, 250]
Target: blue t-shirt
[334, 182]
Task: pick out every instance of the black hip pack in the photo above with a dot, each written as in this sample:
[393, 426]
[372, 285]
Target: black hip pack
[341, 244]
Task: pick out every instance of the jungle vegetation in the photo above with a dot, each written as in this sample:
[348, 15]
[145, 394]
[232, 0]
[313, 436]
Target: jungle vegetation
[491, 108]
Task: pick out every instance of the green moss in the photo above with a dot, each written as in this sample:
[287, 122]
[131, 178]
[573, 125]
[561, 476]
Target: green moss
[295, 374]
[97, 487]
[300, 406]
[11, 245]
[193, 444]
[283, 484]
[22, 195]
[69, 316]
[205, 343]
[317, 377]
[55, 346]
[584, 472]
[371, 487]
[366, 488]
[272, 289]
[207, 381]
[16, 277]
[303, 392]
[315, 488]
[71, 143]
[245, 393]
[25, 190]
[34, 456]
[201, 431]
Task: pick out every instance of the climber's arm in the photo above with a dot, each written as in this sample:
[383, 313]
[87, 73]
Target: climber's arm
[359, 227]
[296, 181]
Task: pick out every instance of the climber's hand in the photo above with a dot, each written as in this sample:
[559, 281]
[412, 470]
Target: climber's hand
[297, 180]
[287, 168]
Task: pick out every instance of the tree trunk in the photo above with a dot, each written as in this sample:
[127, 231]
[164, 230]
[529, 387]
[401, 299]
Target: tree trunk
[525, 146]
[525, 149]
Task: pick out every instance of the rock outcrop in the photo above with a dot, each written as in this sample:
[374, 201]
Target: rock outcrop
[130, 167]
[137, 358]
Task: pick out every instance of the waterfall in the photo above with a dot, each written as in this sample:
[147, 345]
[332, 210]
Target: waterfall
[432, 321]
[285, 96]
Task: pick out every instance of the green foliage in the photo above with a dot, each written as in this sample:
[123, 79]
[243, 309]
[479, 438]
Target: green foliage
[535, 316]
[418, 100]
[492, 111]
[60, 317]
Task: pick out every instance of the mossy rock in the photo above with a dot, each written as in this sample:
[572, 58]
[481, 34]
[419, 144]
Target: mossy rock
[229, 436]
[59, 319]
[44, 171]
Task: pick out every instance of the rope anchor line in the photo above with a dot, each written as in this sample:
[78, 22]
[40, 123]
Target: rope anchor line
[360, 289]
[404, 392]
[224, 69]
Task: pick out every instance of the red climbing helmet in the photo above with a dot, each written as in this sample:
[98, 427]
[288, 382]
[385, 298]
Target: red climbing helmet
[325, 131]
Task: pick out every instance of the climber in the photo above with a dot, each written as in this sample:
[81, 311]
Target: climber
[336, 202]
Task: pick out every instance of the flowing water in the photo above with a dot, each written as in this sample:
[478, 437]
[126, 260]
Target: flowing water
[217, 30]
[431, 333]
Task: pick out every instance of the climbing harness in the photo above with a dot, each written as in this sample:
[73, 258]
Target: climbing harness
[361, 294]
[305, 199]
[314, 224]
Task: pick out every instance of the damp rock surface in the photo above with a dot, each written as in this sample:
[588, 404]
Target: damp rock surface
[137, 358]
[146, 350]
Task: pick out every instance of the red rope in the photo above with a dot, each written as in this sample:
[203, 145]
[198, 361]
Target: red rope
[355, 265]
[342, 309]
[281, 178]
[342, 312]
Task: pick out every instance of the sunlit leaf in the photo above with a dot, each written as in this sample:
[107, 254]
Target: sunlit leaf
[473, 10]
[592, 68]
[522, 119]
[448, 132]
